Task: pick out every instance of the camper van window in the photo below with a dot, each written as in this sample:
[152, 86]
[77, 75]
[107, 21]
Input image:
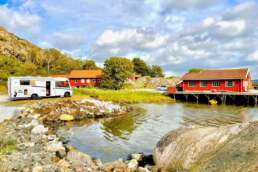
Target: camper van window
[24, 82]
[62, 84]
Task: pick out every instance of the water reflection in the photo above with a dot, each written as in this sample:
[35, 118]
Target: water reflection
[115, 138]
[214, 115]
[121, 127]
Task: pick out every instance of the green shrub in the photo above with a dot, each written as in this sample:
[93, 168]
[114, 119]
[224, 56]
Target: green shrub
[7, 145]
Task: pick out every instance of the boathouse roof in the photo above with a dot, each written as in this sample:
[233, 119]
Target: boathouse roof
[217, 74]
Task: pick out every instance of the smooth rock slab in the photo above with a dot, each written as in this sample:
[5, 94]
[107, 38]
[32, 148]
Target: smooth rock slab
[184, 148]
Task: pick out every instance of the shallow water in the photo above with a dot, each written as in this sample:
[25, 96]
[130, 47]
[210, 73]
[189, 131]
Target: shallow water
[115, 138]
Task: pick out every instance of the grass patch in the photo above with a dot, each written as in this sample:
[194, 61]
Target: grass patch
[3, 89]
[123, 96]
[7, 145]
[120, 96]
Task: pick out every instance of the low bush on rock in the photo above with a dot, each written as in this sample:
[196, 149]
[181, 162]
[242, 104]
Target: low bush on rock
[7, 145]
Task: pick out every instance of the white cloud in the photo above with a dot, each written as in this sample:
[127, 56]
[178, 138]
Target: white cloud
[18, 21]
[228, 28]
[253, 56]
[131, 39]
[231, 28]
[209, 21]
[168, 5]
[66, 40]
[175, 23]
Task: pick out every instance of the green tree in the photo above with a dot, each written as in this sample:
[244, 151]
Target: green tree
[89, 65]
[156, 71]
[140, 67]
[116, 72]
[195, 70]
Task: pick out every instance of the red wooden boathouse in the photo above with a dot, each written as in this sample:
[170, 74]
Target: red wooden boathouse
[219, 80]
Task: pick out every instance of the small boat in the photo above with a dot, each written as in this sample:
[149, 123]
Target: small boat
[213, 102]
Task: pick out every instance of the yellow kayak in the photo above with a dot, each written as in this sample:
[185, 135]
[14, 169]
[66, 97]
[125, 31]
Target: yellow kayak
[213, 102]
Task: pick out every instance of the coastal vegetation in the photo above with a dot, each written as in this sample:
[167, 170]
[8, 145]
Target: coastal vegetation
[19, 57]
[195, 70]
[7, 145]
[123, 96]
[116, 72]
[141, 68]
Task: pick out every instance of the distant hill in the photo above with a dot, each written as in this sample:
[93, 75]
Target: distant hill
[20, 57]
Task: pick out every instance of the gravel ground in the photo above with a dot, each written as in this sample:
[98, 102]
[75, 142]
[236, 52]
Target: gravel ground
[6, 112]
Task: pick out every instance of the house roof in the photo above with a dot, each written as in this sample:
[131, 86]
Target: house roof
[86, 74]
[217, 74]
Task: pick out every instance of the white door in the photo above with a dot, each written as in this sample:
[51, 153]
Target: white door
[245, 85]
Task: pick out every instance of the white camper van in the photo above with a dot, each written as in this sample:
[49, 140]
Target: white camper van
[38, 87]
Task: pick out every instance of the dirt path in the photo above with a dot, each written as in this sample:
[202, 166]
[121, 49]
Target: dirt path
[7, 112]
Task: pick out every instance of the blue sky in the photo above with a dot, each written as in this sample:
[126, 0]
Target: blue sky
[177, 35]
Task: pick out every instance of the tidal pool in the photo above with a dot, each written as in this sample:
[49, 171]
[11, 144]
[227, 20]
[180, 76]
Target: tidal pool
[112, 139]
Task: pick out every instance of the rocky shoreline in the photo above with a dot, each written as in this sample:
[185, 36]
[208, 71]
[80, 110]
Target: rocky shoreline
[29, 144]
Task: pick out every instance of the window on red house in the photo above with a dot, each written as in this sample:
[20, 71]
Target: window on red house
[191, 83]
[203, 83]
[215, 83]
[230, 83]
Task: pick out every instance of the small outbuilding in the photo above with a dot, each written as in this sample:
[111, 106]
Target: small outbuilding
[83, 78]
[230, 80]
[79, 78]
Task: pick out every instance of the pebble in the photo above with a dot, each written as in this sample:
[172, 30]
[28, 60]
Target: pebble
[133, 165]
[37, 169]
[39, 129]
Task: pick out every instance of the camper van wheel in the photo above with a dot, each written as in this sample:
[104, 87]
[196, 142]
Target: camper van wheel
[34, 96]
[67, 94]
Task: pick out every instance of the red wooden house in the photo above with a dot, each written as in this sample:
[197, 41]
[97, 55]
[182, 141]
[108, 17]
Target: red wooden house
[81, 78]
[234, 80]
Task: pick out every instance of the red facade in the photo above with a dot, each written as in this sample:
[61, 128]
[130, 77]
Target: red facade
[232, 80]
[83, 82]
[83, 78]
[220, 85]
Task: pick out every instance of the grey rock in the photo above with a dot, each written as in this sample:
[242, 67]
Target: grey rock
[182, 148]
[39, 129]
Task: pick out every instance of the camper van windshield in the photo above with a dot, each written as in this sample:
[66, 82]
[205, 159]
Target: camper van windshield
[62, 84]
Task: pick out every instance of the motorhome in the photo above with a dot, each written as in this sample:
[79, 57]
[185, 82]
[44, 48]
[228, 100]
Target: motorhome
[38, 87]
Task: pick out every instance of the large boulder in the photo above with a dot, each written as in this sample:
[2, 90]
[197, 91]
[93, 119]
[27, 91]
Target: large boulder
[225, 148]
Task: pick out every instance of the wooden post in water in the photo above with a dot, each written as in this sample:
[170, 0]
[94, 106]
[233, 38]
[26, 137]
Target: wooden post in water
[197, 98]
[208, 98]
[186, 97]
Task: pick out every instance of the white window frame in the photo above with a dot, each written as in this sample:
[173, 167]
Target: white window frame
[213, 85]
[76, 81]
[82, 80]
[233, 84]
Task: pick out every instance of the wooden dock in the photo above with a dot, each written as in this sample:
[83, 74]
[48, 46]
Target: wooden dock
[238, 98]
